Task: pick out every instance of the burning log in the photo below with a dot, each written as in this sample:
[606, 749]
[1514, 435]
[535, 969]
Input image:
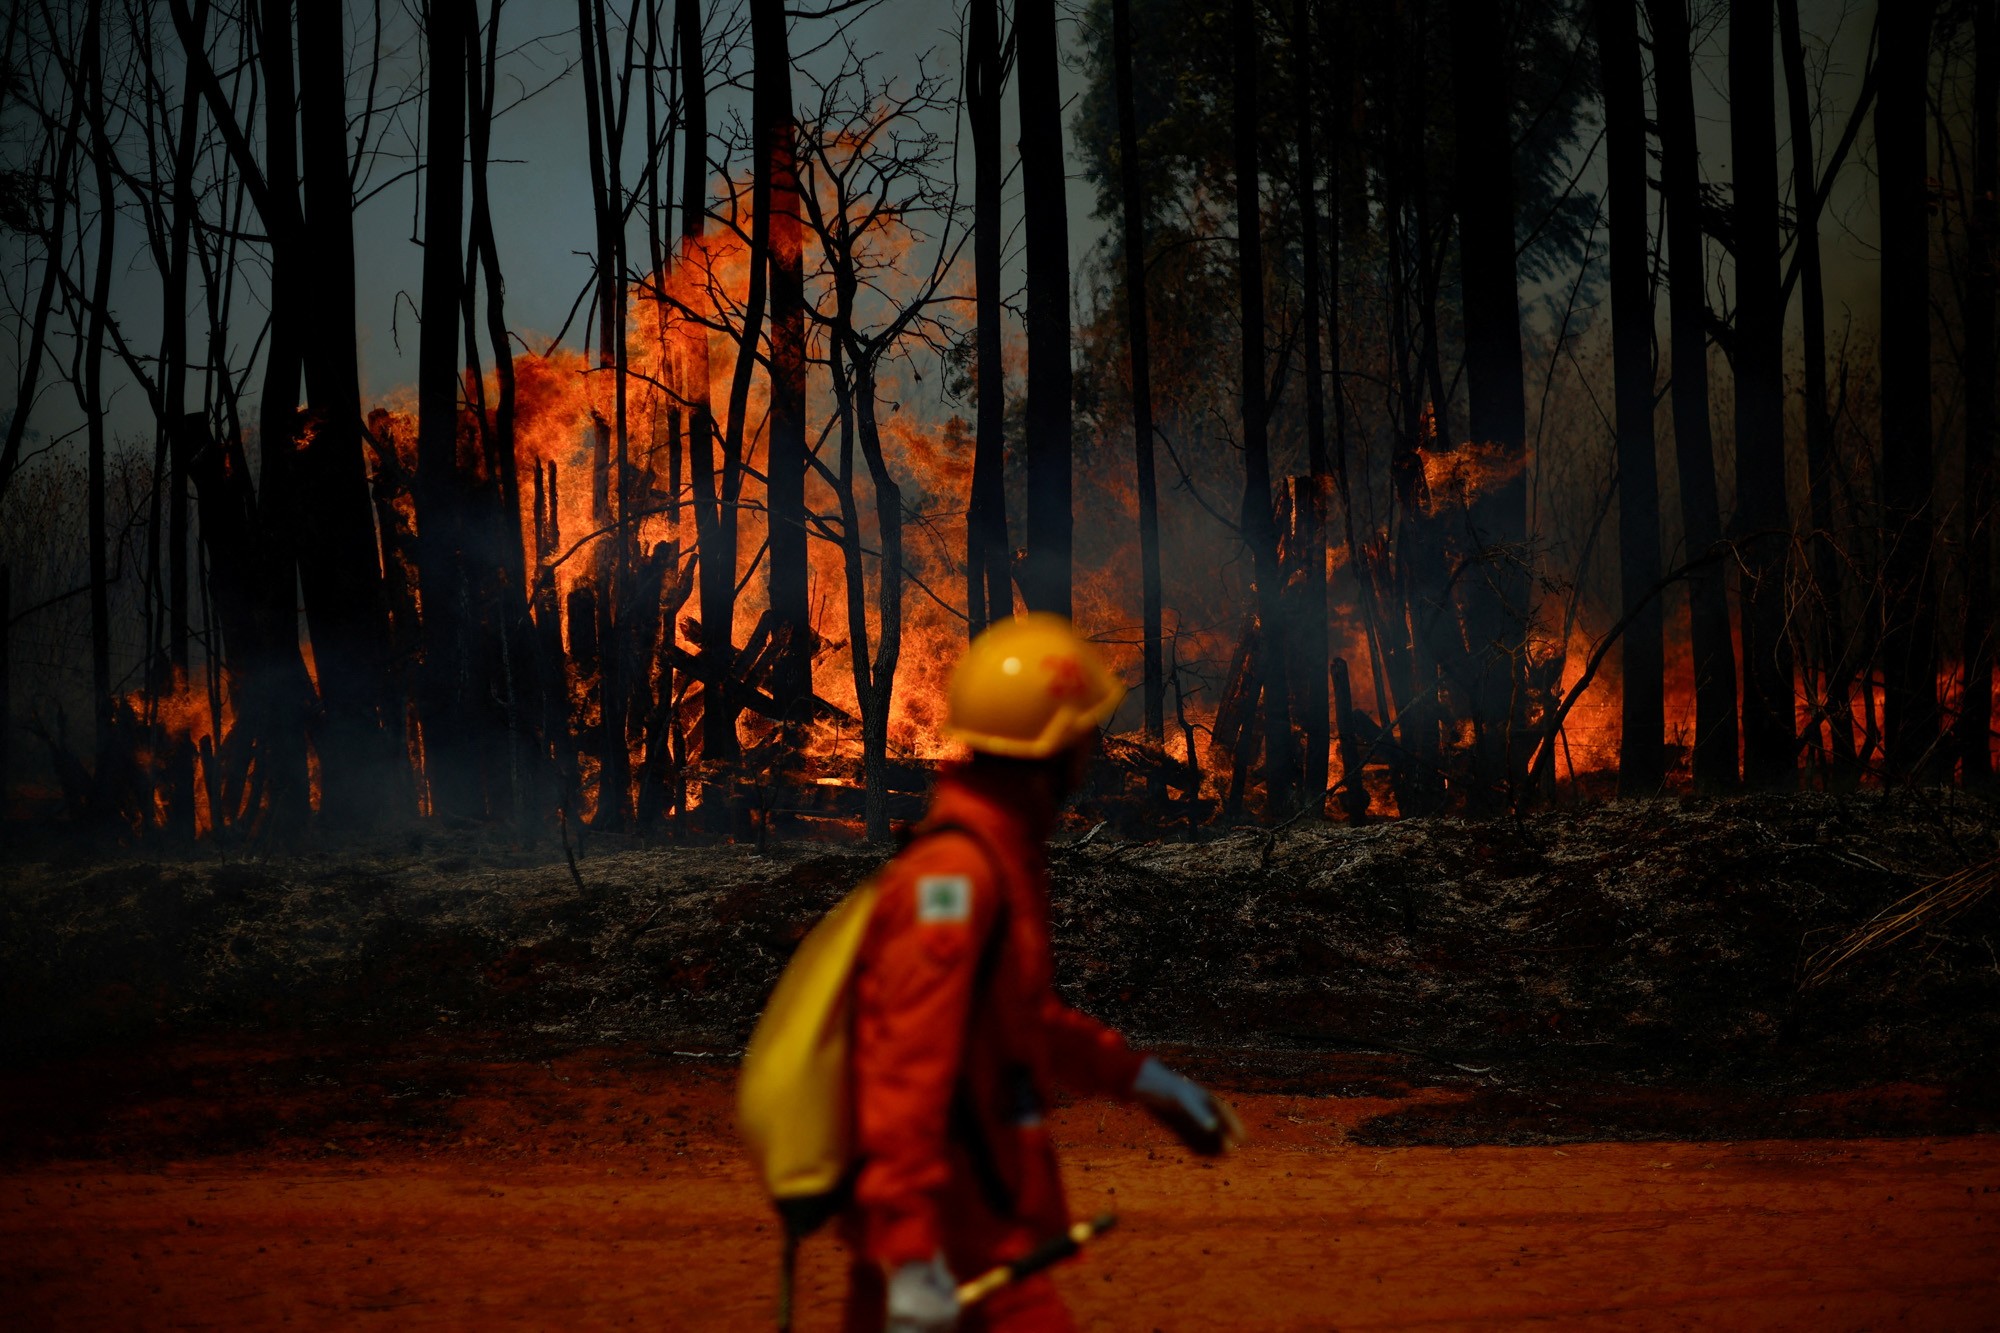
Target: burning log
[1128, 786]
[743, 687]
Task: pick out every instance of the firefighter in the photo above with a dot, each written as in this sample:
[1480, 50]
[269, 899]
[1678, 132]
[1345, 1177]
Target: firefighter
[959, 1040]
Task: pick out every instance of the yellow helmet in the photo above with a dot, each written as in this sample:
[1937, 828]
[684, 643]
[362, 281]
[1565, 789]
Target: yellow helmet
[1030, 687]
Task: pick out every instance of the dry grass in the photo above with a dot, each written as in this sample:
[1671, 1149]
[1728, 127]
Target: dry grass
[1930, 906]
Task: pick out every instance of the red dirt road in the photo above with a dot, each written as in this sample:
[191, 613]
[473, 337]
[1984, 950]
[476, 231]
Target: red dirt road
[591, 1193]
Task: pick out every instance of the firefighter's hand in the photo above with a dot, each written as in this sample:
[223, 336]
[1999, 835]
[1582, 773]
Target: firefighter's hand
[923, 1298]
[1206, 1125]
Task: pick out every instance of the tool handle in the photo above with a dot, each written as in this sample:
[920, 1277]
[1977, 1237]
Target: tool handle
[1045, 1255]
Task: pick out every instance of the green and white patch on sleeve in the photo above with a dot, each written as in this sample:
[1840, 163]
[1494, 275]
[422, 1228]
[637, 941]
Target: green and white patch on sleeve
[944, 899]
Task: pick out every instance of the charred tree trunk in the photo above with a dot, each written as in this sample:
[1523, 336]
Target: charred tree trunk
[1982, 440]
[1834, 672]
[658, 146]
[221, 480]
[694, 128]
[1641, 750]
[777, 138]
[1909, 606]
[1422, 616]
[1310, 643]
[1496, 594]
[6, 687]
[713, 481]
[612, 562]
[1259, 525]
[716, 687]
[558, 741]
[53, 241]
[173, 396]
[989, 580]
[1339, 171]
[1425, 244]
[852, 565]
[874, 670]
[1715, 736]
[362, 765]
[888, 602]
[31, 363]
[1132, 186]
[1397, 687]
[451, 713]
[167, 624]
[1769, 736]
[281, 740]
[1046, 577]
[91, 390]
[525, 675]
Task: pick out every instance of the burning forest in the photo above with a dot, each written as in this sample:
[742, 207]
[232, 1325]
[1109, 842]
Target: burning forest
[1426, 425]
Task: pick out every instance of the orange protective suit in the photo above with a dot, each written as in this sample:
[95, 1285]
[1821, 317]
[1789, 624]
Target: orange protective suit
[958, 1046]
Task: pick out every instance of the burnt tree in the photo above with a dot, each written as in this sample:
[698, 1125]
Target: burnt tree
[50, 233]
[526, 681]
[90, 385]
[283, 737]
[364, 771]
[1641, 750]
[716, 481]
[1832, 644]
[871, 171]
[1310, 637]
[6, 685]
[1259, 522]
[717, 694]
[1757, 353]
[604, 119]
[173, 387]
[1715, 735]
[1497, 591]
[1046, 576]
[1908, 601]
[1132, 188]
[450, 691]
[989, 579]
[785, 467]
[1982, 438]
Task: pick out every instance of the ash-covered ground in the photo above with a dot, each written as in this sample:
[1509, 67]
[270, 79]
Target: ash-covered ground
[1630, 969]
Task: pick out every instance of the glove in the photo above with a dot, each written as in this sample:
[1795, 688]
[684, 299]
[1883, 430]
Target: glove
[923, 1298]
[1206, 1125]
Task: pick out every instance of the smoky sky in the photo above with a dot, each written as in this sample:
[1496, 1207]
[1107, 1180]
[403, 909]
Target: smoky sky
[541, 186]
